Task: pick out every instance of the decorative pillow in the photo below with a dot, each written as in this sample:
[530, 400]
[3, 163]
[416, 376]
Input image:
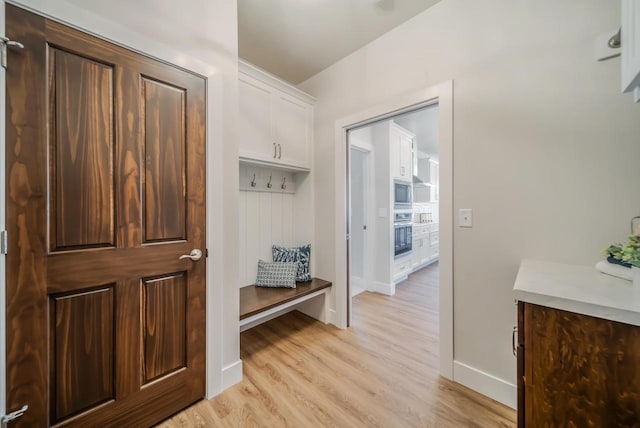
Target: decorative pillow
[276, 274]
[302, 255]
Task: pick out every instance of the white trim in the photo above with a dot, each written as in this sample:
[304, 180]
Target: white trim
[443, 95]
[332, 317]
[357, 285]
[265, 316]
[231, 375]
[489, 385]
[264, 76]
[218, 283]
[384, 288]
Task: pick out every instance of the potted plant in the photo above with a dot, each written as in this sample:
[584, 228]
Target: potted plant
[627, 255]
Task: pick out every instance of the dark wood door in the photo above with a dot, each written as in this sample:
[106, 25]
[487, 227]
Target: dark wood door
[106, 188]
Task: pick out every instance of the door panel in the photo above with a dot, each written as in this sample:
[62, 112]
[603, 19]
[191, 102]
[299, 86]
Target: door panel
[82, 342]
[105, 156]
[82, 150]
[164, 147]
[164, 330]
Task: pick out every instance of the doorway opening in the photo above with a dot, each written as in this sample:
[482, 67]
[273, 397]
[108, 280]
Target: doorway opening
[393, 201]
[400, 183]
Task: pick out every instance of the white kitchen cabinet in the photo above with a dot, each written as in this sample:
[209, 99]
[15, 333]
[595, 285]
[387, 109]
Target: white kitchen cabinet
[630, 44]
[425, 244]
[402, 267]
[401, 146]
[434, 174]
[275, 121]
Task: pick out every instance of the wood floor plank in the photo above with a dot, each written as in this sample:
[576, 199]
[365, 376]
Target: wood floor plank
[381, 372]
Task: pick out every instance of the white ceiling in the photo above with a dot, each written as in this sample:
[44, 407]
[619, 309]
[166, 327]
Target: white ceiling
[295, 39]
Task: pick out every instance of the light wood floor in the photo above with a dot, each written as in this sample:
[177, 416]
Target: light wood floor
[381, 372]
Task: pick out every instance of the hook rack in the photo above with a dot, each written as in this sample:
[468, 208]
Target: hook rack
[265, 179]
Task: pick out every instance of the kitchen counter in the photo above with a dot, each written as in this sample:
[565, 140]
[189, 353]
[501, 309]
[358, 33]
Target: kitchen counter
[579, 289]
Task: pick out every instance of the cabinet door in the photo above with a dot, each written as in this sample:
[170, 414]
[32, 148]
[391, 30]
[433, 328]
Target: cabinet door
[293, 130]
[415, 256]
[579, 370]
[255, 121]
[434, 174]
[630, 45]
[406, 162]
[395, 143]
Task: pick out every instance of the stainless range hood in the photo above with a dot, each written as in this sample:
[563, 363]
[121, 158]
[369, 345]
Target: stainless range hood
[417, 182]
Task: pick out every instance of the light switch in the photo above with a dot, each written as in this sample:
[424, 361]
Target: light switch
[465, 217]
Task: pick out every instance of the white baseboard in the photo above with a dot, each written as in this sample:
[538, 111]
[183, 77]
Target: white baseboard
[231, 374]
[357, 285]
[386, 289]
[332, 317]
[486, 384]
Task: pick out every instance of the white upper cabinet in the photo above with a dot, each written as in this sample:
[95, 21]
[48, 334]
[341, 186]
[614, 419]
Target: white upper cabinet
[275, 121]
[292, 120]
[255, 120]
[630, 39]
[401, 146]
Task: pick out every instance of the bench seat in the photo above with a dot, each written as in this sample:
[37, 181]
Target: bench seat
[261, 302]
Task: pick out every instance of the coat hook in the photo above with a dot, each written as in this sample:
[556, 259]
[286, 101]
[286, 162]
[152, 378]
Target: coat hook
[269, 185]
[253, 181]
[284, 186]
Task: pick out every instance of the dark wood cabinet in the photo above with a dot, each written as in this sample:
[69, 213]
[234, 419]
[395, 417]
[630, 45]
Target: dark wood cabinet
[576, 370]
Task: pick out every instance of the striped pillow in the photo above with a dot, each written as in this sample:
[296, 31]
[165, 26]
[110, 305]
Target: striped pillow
[276, 274]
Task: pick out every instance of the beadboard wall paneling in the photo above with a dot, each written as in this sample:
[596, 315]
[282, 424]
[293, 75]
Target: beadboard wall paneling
[265, 219]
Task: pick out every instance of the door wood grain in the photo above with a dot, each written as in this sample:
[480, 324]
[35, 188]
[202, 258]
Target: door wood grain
[106, 189]
[81, 137]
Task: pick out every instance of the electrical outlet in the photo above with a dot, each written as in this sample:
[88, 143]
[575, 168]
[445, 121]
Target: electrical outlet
[465, 217]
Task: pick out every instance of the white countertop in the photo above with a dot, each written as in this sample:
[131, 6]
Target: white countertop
[580, 289]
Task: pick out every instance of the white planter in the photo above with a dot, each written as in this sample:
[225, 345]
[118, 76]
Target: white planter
[636, 276]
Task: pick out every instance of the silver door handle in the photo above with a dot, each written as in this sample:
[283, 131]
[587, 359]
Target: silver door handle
[514, 333]
[195, 255]
[275, 151]
[279, 151]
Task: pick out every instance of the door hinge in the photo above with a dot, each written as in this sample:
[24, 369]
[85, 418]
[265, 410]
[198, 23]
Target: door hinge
[6, 42]
[13, 415]
[4, 242]
[206, 252]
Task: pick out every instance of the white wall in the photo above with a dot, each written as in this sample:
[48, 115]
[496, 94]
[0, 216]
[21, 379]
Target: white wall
[272, 217]
[546, 149]
[199, 35]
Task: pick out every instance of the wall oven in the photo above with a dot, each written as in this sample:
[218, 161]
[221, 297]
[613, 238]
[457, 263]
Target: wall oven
[403, 233]
[402, 194]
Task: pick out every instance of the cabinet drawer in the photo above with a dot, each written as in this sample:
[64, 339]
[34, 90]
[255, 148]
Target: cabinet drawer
[434, 237]
[435, 251]
[419, 229]
[402, 265]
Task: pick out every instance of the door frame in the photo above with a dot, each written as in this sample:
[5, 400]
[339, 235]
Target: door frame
[221, 282]
[3, 213]
[368, 201]
[443, 95]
